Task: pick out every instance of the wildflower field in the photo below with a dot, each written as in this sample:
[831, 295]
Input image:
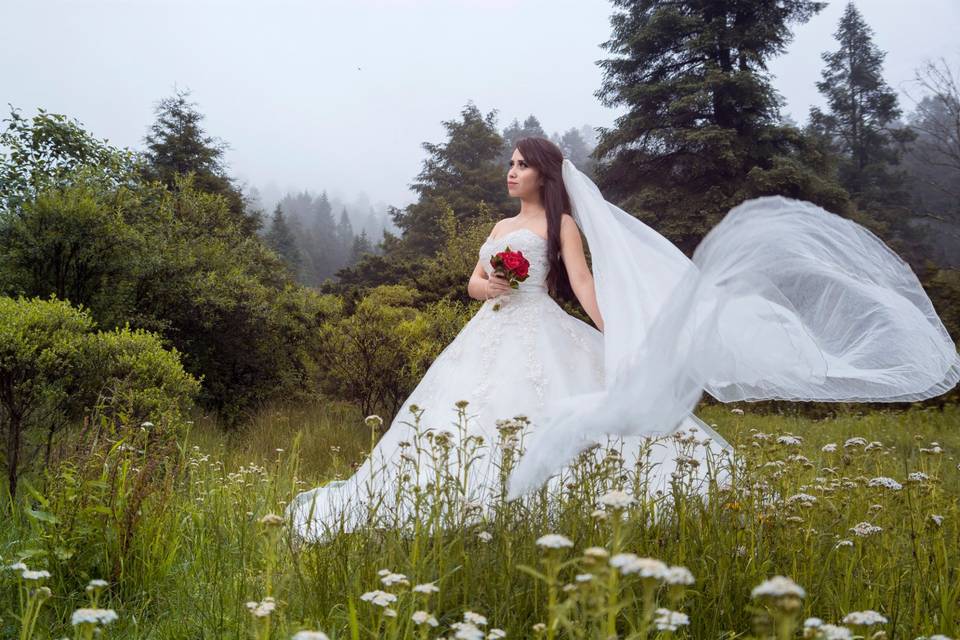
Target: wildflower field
[843, 527]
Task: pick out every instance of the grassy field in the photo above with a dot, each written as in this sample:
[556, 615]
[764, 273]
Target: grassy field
[181, 534]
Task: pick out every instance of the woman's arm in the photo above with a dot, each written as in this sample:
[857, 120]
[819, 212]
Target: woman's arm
[581, 280]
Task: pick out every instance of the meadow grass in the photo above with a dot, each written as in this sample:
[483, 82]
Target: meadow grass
[188, 547]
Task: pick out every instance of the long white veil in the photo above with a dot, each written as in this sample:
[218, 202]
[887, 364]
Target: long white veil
[782, 300]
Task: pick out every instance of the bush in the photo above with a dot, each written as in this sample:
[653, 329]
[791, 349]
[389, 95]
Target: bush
[54, 369]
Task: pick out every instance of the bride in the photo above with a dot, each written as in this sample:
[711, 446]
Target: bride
[781, 300]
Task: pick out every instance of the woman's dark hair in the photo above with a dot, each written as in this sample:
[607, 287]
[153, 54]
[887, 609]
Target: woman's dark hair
[547, 158]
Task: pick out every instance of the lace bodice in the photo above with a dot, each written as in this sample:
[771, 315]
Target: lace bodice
[534, 249]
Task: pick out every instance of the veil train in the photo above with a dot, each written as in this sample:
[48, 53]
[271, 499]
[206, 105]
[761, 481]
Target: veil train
[782, 300]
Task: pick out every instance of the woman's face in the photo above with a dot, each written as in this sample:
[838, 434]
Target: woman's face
[522, 181]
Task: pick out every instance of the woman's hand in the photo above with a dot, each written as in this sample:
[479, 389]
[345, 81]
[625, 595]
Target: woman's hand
[497, 285]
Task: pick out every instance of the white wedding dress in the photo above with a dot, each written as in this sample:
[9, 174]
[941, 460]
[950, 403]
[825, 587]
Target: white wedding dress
[781, 300]
[518, 360]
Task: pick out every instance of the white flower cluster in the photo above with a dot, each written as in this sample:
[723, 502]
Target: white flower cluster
[388, 578]
[554, 541]
[864, 618]
[310, 635]
[423, 617]
[864, 529]
[777, 587]
[93, 616]
[379, 598]
[617, 500]
[262, 609]
[668, 620]
[885, 482]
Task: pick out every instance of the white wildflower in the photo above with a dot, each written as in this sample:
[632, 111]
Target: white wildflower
[93, 616]
[887, 483]
[776, 587]
[96, 584]
[668, 620]
[426, 587]
[391, 579]
[864, 529]
[833, 632]
[584, 577]
[40, 574]
[554, 541]
[262, 609]
[936, 519]
[790, 440]
[830, 447]
[737, 412]
[423, 617]
[466, 631]
[855, 442]
[617, 500]
[843, 543]
[812, 623]
[803, 498]
[597, 553]
[645, 568]
[496, 634]
[678, 575]
[864, 618]
[485, 536]
[310, 635]
[474, 618]
[379, 598]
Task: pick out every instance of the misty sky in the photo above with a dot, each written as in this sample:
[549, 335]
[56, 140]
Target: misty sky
[340, 95]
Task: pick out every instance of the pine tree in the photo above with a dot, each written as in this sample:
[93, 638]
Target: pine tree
[462, 172]
[861, 111]
[361, 246]
[703, 130]
[281, 239]
[530, 127]
[177, 146]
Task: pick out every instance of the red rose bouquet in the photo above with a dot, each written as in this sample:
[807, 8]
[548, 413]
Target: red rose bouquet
[512, 266]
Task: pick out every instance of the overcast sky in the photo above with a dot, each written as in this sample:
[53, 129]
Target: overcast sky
[340, 95]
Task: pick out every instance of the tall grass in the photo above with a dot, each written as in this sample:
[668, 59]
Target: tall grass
[203, 557]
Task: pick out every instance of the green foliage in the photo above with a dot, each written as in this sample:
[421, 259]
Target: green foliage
[129, 376]
[40, 346]
[54, 369]
[177, 146]
[49, 150]
[376, 355]
[702, 114]
[73, 240]
[462, 173]
[199, 549]
[281, 239]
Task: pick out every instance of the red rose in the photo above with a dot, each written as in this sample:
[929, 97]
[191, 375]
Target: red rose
[513, 260]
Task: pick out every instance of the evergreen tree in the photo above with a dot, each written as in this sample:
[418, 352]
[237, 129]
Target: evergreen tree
[361, 246]
[702, 131]
[177, 145]
[281, 239]
[530, 127]
[575, 148]
[345, 238]
[462, 173]
[861, 111]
